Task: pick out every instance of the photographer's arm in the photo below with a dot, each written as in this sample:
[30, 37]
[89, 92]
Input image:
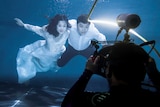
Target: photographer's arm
[73, 95]
[153, 72]
[76, 90]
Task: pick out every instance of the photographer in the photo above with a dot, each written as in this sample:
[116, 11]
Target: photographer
[124, 66]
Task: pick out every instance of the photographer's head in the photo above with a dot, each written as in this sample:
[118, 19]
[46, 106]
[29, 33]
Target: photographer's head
[125, 62]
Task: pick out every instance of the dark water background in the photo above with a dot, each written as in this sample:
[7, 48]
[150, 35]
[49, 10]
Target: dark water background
[37, 12]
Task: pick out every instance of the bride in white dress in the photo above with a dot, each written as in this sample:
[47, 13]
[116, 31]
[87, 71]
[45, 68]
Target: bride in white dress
[41, 56]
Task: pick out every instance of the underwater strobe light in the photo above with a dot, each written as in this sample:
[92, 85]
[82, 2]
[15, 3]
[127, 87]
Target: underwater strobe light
[128, 21]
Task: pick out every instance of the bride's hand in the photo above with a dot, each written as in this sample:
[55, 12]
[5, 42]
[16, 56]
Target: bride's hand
[19, 21]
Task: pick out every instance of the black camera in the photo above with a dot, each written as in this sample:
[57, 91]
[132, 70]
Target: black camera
[103, 54]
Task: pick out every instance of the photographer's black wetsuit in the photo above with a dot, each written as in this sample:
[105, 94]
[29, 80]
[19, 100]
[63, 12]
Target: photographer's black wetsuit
[118, 95]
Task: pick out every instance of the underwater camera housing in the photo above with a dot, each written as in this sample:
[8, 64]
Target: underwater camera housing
[102, 62]
[126, 22]
[151, 69]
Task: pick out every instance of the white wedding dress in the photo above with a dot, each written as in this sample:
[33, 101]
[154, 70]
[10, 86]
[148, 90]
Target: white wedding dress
[36, 57]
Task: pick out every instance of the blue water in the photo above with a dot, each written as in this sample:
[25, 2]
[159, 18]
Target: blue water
[37, 12]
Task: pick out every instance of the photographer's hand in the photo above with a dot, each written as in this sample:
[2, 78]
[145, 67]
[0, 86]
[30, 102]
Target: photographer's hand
[92, 64]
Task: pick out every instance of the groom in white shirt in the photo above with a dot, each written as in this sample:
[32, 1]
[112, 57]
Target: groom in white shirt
[82, 33]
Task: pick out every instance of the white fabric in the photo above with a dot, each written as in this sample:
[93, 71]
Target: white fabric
[40, 56]
[82, 42]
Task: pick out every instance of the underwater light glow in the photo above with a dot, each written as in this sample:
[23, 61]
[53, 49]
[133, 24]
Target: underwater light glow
[104, 22]
[114, 24]
[139, 36]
